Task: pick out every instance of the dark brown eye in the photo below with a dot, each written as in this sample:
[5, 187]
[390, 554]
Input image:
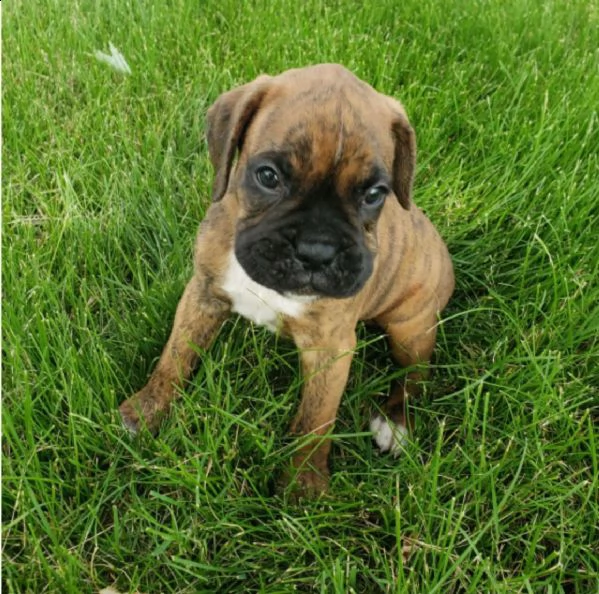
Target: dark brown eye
[267, 177]
[375, 196]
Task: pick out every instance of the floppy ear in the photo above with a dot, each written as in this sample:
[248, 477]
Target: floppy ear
[404, 162]
[227, 121]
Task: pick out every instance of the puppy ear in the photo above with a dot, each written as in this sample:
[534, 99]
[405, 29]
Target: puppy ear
[227, 122]
[404, 162]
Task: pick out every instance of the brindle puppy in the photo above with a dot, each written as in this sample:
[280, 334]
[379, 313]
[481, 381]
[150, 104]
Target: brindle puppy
[311, 229]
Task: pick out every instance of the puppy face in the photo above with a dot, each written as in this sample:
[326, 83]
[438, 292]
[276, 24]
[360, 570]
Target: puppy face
[308, 213]
[315, 168]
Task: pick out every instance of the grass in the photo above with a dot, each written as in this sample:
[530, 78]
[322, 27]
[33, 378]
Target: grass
[105, 178]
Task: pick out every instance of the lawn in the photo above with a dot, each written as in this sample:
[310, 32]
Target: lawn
[105, 177]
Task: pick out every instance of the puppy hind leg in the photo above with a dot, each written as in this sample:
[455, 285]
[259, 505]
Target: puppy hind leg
[412, 343]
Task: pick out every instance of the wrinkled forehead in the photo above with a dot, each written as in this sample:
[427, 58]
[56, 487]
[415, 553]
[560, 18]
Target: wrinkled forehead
[326, 129]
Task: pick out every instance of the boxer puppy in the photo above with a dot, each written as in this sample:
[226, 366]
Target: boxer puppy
[311, 229]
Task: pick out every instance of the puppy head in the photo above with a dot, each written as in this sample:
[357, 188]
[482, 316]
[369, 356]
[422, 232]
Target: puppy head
[319, 153]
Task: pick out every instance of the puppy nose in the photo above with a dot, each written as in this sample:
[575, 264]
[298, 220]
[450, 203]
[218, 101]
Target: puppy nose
[315, 253]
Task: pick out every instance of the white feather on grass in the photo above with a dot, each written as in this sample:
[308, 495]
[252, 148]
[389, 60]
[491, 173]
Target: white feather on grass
[115, 59]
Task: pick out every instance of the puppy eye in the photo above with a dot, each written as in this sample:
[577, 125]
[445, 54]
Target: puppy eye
[375, 196]
[267, 177]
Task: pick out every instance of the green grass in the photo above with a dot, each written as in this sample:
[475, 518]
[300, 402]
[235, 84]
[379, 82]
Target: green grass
[104, 181]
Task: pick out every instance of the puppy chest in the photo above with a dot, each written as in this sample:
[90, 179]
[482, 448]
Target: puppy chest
[255, 302]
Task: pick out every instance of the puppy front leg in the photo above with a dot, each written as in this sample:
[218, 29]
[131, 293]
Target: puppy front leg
[199, 316]
[325, 371]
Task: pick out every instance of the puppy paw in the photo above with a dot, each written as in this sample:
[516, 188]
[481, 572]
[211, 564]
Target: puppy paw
[304, 484]
[388, 435]
[139, 411]
[129, 417]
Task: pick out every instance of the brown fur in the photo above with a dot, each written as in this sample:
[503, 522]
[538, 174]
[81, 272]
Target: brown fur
[412, 278]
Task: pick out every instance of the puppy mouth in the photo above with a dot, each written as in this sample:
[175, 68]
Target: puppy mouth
[322, 267]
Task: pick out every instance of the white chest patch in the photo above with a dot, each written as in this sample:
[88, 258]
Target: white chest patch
[256, 302]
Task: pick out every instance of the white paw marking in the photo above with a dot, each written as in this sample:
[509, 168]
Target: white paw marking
[256, 302]
[389, 436]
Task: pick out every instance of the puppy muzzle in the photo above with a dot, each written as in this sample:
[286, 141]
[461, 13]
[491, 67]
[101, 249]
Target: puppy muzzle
[305, 261]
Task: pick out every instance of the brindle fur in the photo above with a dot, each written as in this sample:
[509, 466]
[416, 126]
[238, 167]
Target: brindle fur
[299, 112]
